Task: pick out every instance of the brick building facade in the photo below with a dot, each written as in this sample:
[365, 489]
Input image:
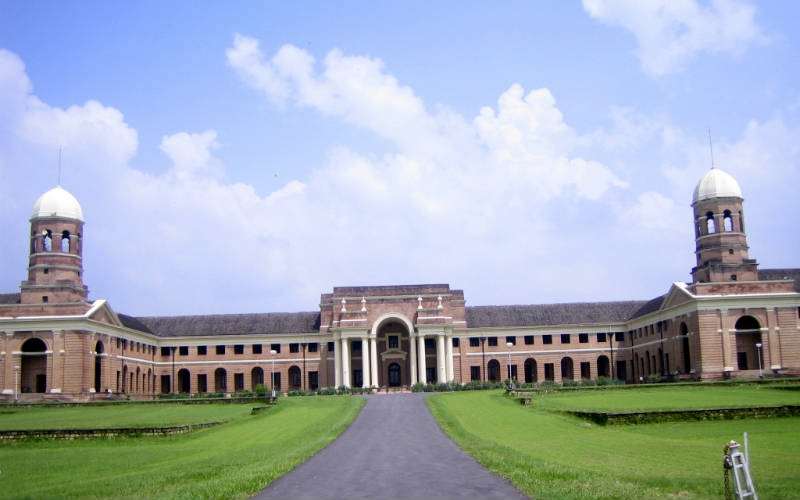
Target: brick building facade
[733, 320]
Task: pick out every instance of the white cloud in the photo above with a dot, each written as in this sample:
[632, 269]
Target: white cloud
[669, 33]
[191, 154]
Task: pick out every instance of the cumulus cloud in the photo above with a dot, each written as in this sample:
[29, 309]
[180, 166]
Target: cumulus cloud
[669, 33]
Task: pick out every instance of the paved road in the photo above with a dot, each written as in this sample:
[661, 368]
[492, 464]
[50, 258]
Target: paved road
[392, 450]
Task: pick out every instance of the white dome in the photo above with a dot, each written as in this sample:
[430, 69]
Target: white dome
[716, 184]
[57, 203]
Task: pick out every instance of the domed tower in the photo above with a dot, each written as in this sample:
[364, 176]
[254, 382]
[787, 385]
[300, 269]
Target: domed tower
[721, 241]
[55, 265]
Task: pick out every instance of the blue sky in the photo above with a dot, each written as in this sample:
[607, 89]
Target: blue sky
[247, 157]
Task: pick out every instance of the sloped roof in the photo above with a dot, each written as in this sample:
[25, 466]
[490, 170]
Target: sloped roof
[133, 323]
[552, 314]
[649, 306]
[231, 324]
[779, 274]
[9, 298]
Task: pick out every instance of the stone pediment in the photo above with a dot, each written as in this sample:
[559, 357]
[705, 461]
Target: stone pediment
[393, 354]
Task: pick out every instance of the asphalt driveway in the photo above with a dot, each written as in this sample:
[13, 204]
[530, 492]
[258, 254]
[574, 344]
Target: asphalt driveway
[392, 450]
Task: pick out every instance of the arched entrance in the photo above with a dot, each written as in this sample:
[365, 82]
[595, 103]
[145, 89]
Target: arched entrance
[220, 380]
[567, 369]
[34, 366]
[98, 366]
[395, 375]
[687, 356]
[294, 377]
[494, 370]
[256, 377]
[603, 366]
[530, 371]
[184, 384]
[748, 340]
[394, 350]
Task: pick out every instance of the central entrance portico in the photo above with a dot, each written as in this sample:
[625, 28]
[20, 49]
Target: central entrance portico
[392, 336]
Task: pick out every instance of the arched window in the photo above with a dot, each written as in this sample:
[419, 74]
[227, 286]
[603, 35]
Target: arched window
[567, 369]
[727, 221]
[138, 372]
[295, 378]
[47, 241]
[65, 242]
[647, 355]
[711, 225]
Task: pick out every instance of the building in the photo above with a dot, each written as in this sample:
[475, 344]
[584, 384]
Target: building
[733, 320]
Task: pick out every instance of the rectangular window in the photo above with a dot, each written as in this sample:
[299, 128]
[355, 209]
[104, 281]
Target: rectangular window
[475, 341]
[585, 370]
[583, 338]
[393, 341]
[238, 349]
[202, 383]
[511, 339]
[356, 347]
[331, 346]
[165, 351]
[183, 350]
[475, 373]
[258, 349]
[220, 349]
[547, 339]
[619, 336]
[202, 350]
[549, 372]
[294, 347]
[528, 339]
[276, 348]
[565, 338]
[429, 344]
[492, 341]
[238, 382]
[313, 347]
[313, 380]
[455, 342]
[277, 377]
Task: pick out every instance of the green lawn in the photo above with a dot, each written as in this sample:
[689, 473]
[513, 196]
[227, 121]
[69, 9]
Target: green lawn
[234, 460]
[666, 398]
[119, 415]
[550, 455]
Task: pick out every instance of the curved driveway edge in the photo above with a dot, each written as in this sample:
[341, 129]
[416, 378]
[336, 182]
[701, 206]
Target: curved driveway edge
[393, 449]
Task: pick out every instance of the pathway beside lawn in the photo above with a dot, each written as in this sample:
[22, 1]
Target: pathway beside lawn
[394, 449]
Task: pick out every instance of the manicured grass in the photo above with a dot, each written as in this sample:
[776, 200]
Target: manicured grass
[666, 398]
[120, 415]
[551, 455]
[233, 460]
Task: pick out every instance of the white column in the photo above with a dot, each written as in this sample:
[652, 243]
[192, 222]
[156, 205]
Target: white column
[449, 356]
[422, 378]
[373, 360]
[441, 364]
[337, 362]
[345, 362]
[366, 380]
[412, 354]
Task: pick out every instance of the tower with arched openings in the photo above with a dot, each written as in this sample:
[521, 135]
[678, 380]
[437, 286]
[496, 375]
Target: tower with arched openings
[720, 239]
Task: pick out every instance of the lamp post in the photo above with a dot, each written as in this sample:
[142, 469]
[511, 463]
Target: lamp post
[510, 380]
[273, 352]
[758, 346]
[16, 383]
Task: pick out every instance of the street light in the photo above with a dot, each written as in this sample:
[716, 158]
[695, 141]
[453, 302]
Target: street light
[758, 346]
[273, 352]
[510, 380]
